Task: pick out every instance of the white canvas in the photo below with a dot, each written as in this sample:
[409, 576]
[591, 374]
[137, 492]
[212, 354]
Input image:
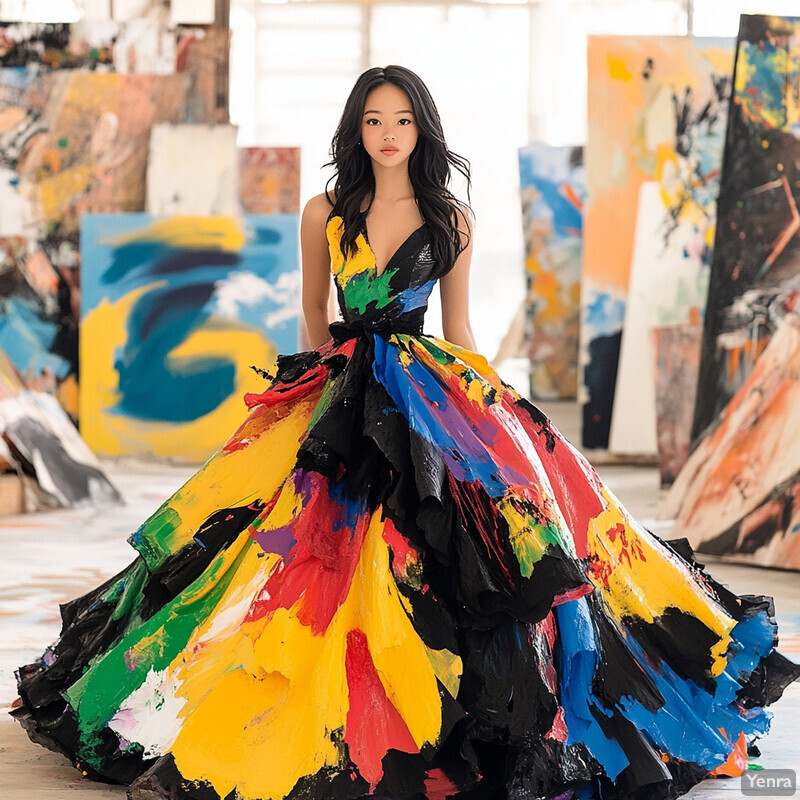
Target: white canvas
[193, 169]
[192, 12]
[633, 422]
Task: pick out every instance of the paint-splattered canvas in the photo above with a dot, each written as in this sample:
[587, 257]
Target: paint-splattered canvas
[193, 169]
[26, 101]
[553, 187]
[755, 274]
[93, 156]
[38, 323]
[70, 142]
[47, 446]
[51, 45]
[20, 123]
[739, 492]
[269, 180]
[655, 105]
[203, 57]
[677, 360]
[39, 440]
[174, 313]
[667, 285]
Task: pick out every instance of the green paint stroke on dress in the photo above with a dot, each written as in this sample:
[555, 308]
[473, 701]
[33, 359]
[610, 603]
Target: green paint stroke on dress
[440, 355]
[366, 288]
[98, 694]
[130, 589]
[536, 540]
[152, 539]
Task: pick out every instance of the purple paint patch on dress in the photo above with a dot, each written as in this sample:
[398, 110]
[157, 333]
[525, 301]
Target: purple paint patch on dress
[279, 540]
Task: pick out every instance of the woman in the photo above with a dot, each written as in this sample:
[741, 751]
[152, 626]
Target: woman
[397, 579]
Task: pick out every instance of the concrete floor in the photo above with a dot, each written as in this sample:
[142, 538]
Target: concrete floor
[46, 559]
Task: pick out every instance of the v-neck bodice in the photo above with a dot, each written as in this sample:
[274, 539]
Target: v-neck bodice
[394, 299]
[391, 258]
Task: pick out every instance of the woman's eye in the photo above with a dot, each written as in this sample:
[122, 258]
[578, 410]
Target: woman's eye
[372, 121]
[405, 121]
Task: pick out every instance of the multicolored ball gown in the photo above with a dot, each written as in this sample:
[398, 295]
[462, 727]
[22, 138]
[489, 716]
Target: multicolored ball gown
[398, 580]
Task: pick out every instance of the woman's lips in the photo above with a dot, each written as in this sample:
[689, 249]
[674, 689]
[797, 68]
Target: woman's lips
[389, 151]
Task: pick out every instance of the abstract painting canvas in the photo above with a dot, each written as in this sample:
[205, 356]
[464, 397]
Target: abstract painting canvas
[739, 493]
[49, 45]
[667, 286]
[175, 311]
[93, 156]
[39, 440]
[656, 113]
[553, 186]
[48, 447]
[38, 328]
[203, 55]
[755, 272]
[270, 180]
[677, 360]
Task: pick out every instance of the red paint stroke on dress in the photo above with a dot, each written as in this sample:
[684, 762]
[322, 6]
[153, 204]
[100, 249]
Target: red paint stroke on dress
[374, 726]
[573, 594]
[261, 420]
[282, 392]
[482, 517]
[438, 786]
[403, 554]
[319, 569]
[545, 631]
[575, 484]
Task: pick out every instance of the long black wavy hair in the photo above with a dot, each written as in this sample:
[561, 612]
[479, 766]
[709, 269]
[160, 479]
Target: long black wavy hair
[429, 168]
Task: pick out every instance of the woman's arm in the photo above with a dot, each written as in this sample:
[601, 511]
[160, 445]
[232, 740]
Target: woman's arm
[316, 269]
[454, 287]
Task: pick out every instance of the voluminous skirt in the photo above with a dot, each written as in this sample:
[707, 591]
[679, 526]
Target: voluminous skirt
[398, 580]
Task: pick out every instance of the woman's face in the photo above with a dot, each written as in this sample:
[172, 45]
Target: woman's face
[388, 128]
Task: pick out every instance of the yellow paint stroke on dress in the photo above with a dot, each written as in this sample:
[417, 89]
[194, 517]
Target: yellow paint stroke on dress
[345, 268]
[448, 668]
[273, 686]
[475, 361]
[229, 479]
[644, 581]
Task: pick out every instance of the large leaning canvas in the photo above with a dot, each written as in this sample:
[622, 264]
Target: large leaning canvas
[755, 273]
[93, 155]
[653, 104]
[738, 494]
[553, 188]
[175, 311]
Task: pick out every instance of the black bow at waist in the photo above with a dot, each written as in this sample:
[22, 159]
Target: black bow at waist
[408, 323]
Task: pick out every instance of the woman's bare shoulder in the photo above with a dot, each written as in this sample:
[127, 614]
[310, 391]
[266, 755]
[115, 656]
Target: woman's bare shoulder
[318, 208]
